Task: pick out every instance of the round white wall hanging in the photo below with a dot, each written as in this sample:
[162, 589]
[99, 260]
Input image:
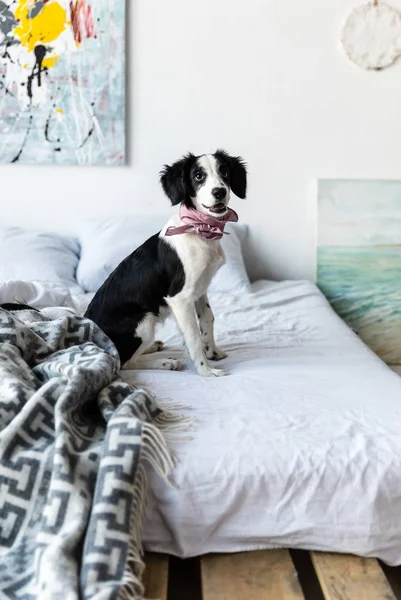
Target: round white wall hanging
[372, 35]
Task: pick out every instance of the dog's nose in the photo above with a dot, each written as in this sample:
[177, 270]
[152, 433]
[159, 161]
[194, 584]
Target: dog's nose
[219, 193]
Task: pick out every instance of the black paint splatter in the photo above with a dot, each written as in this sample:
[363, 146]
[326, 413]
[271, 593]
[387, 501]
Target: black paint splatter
[47, 126]
[7, 44]
[90, 132]
[40, 53]
[17, 157]
[5, 88]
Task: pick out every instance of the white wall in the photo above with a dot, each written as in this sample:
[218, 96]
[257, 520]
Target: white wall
[262, 78]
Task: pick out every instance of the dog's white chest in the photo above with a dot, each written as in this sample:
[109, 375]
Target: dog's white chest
[200, 258]
[207, 270]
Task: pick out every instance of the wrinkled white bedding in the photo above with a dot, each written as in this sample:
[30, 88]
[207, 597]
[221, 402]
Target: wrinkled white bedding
[39, 294]
[299, 446]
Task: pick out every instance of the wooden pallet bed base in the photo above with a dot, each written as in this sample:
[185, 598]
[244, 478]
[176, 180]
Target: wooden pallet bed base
[271, 575]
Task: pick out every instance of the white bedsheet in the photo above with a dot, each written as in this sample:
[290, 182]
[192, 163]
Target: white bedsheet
[299, 446]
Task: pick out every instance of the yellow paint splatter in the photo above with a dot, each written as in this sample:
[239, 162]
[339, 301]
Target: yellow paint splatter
[59, 110]
[50, 61]
[48, 24]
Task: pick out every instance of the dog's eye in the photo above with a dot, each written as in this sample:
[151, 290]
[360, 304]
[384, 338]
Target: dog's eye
[223, 171]
[198, 176]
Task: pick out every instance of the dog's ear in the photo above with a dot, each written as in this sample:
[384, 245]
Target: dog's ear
[174, 180]
[237, 170]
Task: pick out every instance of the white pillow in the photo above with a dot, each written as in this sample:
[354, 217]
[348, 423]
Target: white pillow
[232, 277]
[106, 242]
[30, 255]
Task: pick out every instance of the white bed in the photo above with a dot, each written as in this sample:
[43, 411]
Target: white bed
[299, 446]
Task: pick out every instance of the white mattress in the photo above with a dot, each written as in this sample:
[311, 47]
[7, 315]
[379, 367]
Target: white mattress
[299, 446]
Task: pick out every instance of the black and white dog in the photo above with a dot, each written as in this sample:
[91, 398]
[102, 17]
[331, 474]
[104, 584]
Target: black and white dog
[171, 271]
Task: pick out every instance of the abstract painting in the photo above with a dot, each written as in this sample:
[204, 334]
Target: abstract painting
[359, 259]
[62, 90]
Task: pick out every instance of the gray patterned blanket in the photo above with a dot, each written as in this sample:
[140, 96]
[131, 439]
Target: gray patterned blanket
[74, 442]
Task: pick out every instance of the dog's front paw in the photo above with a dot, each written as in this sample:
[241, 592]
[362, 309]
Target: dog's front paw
[155, 347]
[218, 373]
[215, 353]
[170, 364]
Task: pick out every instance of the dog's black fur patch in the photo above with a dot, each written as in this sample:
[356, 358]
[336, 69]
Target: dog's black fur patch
[178, 180]
[135, 288]
[236, 172]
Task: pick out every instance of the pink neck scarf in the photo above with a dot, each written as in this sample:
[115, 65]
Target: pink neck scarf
[206, 226]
